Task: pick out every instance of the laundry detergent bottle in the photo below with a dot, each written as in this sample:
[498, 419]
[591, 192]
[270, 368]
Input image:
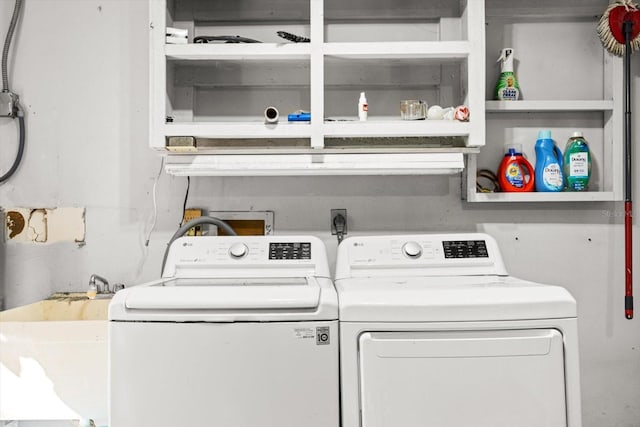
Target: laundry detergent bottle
[507, 87]
[549, 164]
[515, 173]
[577, 163]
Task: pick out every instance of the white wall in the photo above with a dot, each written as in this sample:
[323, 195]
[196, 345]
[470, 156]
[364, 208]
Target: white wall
[80, 68]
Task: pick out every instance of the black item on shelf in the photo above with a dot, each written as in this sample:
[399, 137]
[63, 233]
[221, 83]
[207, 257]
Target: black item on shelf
[293, 38]
[225, 39]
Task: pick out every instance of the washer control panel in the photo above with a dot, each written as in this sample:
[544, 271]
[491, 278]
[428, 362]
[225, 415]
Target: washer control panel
[465, 249]
[225, 255]
[290, 250]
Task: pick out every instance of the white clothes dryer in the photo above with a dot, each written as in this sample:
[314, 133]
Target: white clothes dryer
[434, 332]
[240, 331]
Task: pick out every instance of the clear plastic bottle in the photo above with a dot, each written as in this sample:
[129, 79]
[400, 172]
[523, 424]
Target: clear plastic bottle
[577, 163]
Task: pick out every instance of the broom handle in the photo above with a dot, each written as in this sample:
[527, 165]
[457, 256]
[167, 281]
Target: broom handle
[627, 28]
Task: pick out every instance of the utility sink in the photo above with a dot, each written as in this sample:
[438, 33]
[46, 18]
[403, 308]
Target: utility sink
[63, 306]
[53, 359]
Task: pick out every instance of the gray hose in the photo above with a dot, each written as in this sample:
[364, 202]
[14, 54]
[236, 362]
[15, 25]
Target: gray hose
[197, 221]
[7, 44]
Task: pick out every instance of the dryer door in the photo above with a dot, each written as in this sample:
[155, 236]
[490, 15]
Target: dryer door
[462, 379]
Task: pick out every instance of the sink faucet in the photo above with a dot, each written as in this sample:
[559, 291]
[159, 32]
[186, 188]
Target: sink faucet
[93, 284]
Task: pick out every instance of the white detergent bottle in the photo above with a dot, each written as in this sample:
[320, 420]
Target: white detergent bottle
[507, 87]
[363, 107]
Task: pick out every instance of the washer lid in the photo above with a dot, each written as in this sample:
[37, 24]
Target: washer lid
[440, 299]
[225, 294]
[253, 299]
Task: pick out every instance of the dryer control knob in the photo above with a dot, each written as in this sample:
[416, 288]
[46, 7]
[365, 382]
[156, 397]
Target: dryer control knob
[238, 250]
[412, 250]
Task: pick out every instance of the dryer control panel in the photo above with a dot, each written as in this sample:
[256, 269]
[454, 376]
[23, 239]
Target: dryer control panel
[423, 254]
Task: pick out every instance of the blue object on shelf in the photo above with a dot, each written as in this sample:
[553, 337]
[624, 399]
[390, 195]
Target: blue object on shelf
[299, 117]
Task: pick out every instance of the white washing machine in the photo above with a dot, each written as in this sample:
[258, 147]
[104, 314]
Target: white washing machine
[433, 332]
[239, 332]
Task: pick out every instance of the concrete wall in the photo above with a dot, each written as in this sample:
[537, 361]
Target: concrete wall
[80, 68]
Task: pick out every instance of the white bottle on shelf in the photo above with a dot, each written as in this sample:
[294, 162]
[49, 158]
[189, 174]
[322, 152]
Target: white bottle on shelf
[363, 107]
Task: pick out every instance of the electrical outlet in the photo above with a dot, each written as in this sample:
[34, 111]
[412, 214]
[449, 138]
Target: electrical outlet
[190, 214]
[337, 213]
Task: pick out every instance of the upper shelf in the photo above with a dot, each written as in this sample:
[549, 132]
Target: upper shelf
[544, 9]
[289, 51]
[399, 50]
[235, 51]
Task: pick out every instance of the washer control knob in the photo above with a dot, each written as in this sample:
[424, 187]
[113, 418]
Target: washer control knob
[238, 250]
[412, 250]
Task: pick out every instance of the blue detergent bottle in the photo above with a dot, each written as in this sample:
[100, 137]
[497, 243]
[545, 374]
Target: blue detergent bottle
[549, 164]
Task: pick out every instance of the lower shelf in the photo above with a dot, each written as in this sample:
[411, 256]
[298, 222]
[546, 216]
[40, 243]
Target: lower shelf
[441, 163]
[582, 196]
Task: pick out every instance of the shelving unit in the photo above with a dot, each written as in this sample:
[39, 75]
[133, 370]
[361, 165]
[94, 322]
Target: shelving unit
[215, 94]
[439, 51]
[568, 83]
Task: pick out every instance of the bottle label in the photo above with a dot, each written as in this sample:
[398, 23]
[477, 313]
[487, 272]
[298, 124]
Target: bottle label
[507, 88]
[552, 176]
[513, 174]
[579, 165]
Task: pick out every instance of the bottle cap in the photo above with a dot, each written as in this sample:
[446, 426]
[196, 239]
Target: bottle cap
[577, 135]
[544, 134]
[513, 148]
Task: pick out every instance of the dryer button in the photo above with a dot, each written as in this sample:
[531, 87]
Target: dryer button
[412, 250]
[238, 250]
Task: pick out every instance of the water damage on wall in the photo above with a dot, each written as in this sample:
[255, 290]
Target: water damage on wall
[45, 225]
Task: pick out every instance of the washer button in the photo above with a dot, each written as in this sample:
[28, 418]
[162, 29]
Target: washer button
[412, 250]
[238, 250]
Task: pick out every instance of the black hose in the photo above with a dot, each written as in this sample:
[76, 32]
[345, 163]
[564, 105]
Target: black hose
[7, 44]
[196, 221]
[21, 145]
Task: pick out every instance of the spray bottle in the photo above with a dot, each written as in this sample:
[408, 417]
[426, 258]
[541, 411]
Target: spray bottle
[507, 87]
